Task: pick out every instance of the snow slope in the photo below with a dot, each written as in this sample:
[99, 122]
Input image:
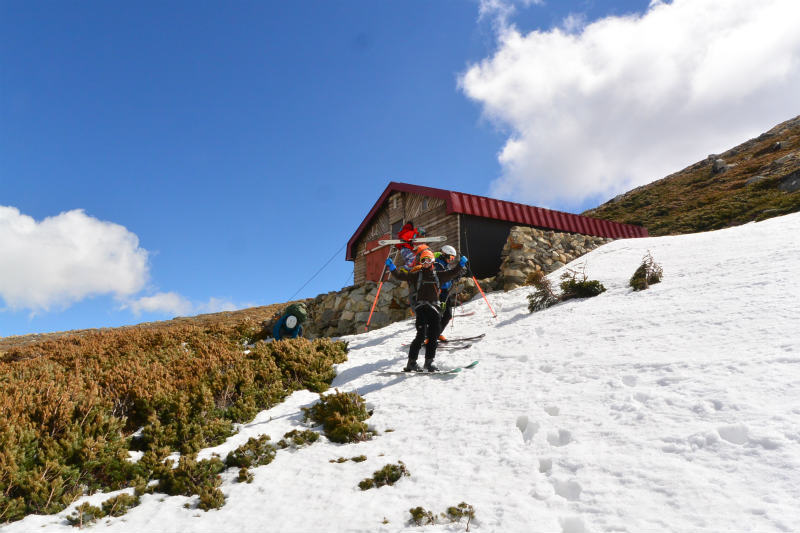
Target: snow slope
[672, 409]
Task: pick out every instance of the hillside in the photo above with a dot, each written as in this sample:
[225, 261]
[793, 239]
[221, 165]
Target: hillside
[672, 409]
[225, 319]
[756, 180]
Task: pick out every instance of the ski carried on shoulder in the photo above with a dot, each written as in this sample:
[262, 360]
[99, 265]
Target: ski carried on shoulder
[463, 339]
[439, 238]
[455, 370]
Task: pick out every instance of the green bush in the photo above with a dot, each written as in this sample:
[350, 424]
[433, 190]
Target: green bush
[342, 416]
[190, 477]
[388, 475]
[543, 297]
[255, 452]
[648, 273]
[245, 476]
[119, 505]
[575, 284]
[455, 514]
[298, 439]
[85, 514]
[421, 516]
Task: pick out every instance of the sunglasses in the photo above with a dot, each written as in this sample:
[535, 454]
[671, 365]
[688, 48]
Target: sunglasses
[426, 261]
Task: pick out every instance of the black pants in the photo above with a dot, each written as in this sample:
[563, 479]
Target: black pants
[428, 325]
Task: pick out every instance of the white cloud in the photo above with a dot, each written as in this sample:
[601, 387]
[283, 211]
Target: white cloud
[162, 302]
[174, 304]
[66, 258]
[499, 12]
[628, 100]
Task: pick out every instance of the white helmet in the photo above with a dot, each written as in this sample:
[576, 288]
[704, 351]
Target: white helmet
[291, 321]
[448, 250]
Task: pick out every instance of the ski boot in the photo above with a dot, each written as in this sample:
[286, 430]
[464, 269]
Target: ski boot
[430, 367]
[412, 366]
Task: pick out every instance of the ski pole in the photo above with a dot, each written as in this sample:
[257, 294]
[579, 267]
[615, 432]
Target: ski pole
[484, 296]
[369, 319]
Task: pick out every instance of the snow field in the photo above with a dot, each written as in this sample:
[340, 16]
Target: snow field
[672, 409]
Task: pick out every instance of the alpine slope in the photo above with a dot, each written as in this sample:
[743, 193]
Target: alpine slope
[673, 409]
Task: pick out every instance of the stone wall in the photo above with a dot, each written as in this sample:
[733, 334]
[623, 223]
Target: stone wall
[527, 249]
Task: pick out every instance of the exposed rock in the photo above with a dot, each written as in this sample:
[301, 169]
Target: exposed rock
[790, 182]
[755, 179]
[719, 166]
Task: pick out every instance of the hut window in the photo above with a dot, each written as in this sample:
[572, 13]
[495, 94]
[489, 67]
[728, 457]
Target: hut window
[396, 227]
[424, 204]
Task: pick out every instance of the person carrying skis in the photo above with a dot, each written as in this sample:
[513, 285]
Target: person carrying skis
[446, 300]
[408, 233]
[424, 284]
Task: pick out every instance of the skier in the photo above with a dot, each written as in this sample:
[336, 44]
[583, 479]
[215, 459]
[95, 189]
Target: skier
[408, 233]
[424, 284]
[290, 325]
[446, 300]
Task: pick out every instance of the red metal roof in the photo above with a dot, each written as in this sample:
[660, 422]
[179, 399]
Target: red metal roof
[526, 215]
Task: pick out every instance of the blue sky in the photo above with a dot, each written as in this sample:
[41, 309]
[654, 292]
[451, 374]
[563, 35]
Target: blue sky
[172, 158]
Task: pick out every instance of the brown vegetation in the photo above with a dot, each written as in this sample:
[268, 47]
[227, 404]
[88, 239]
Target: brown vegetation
[73, 407]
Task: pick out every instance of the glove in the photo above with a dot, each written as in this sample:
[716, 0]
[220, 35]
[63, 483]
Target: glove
[390, 264]
[462, 262]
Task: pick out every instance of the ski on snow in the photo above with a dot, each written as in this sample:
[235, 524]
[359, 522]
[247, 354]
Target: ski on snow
[445, 344]
[455, 370]
[463, 339]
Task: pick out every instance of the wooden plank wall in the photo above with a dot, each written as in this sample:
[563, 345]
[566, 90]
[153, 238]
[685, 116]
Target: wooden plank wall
[379, 227]
[425, 211]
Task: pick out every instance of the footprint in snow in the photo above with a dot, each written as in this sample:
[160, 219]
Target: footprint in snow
[572, 524]
[560, 438]
[552, 410]
[568, 489]
[735, 434]
[527, 427]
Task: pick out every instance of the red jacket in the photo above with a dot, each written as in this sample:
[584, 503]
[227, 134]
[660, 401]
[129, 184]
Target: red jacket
[407, 233]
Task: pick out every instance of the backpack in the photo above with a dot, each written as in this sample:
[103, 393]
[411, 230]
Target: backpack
[298, 310]
[412, 294]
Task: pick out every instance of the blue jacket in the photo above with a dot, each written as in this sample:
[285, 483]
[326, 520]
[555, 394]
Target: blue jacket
[280, 331]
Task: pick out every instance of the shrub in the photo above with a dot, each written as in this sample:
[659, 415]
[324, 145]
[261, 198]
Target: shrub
[648, 273]
[342, 416]
[119, 505]
[298, 439]
[245, 476]
[544, 296]
[255, 452]
[69, 405]
[85, 514]
[421, 516]
[388, 475]
[190, 477]
[576, 284]
[455, 514]
[211, 498]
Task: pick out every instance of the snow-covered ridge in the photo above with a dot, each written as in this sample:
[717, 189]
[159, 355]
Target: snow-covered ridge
[672, 409]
